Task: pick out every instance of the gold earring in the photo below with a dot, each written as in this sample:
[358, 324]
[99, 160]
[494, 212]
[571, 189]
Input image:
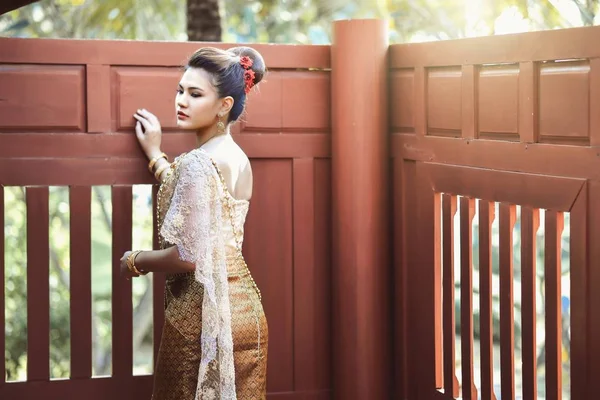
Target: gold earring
[220, 125]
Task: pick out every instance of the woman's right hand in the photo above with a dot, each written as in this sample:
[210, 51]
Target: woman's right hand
[148, 132]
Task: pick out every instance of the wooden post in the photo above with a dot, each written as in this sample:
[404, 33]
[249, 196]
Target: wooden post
[361, 219]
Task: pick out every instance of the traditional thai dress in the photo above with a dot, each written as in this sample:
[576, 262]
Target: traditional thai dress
[214, 339]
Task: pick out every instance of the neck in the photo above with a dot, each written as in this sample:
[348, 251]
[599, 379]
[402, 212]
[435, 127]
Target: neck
[204, 136]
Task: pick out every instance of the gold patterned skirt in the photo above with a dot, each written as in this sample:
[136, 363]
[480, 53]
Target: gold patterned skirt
[176, 370]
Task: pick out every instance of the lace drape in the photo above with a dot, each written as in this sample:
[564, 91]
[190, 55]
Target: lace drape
[193, 223]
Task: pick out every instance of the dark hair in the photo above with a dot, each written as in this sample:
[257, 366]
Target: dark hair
[228, 72]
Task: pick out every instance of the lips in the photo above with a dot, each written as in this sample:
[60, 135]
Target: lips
[182, 115]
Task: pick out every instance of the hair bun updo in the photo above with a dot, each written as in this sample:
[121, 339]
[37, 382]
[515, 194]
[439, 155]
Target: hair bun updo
[258, 63]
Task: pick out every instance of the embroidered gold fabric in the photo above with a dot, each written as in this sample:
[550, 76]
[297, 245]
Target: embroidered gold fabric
[193, 205]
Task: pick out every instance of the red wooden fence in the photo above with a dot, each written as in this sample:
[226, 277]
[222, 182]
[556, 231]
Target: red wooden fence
[65, 119]
[512, 120]
[352, 295]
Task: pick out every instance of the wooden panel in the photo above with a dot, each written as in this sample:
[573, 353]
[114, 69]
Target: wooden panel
[171, 54]
[467, 213]
[564, 102]
[594, 101]
[444, 101]
[64, 145]
[98, 96]
[311, 314]
[552, 277]
[469, 104]
[401, 100]
[90, 389]
[38, 284]
[498, 102]
[507, 337]
[41, 97]
[529, 227]
[264, 106]
[510, 187]
[149, 88]
[593, 232]
[420, 101]
[545, 159]
[122, 309]
[561, 44]
[487, 215]
[2, 294]
[305, 100]
[451, 385]
[528, 102]
[268, 248]
[80, 198]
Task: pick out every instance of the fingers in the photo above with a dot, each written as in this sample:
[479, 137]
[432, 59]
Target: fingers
[148, 115]
[146, 124]
[138, 130]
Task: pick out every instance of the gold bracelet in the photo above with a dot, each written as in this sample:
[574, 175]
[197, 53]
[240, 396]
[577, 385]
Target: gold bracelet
[160, 171]
[155, 159]
[131, 264]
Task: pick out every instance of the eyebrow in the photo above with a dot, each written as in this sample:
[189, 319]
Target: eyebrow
[191, 87]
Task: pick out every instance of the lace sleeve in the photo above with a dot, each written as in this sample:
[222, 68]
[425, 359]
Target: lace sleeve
[193, 224]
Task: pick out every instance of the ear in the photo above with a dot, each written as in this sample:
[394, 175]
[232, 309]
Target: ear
[226, 105]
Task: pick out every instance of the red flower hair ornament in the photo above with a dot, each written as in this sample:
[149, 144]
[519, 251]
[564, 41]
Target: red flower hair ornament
[249, 75]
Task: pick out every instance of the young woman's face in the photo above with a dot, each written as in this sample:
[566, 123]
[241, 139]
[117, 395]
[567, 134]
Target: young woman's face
[197, 102]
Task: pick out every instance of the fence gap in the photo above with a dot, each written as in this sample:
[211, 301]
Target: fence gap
[102, 314]
[60, 299]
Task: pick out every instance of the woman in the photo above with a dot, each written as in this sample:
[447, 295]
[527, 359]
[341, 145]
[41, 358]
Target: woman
[214, 341]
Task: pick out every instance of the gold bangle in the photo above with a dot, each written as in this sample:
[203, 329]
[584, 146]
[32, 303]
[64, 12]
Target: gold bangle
[131, 264]
[155, 159]
[160, 171]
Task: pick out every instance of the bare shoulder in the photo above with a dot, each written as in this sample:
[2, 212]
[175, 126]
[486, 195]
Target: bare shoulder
[235, 167]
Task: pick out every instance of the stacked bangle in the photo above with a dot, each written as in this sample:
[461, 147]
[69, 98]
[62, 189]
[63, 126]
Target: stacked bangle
[159, 170]
[131, 264]
[155, 159]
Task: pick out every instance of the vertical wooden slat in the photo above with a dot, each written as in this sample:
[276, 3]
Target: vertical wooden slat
[467, 213]
[81, 281]
[528, 102]
[593, 254]
[411, 243]
[158, 283]
[122, 323]
[594, 102]
[428, 274]
[579, 296]
[400, 253]
[420, 106]
[306, 366]
[451, 387]
[552, 270]
[507, 338]
[38, 288]
[2, 294]
[487, 213]
[529, 227]
[470, 78]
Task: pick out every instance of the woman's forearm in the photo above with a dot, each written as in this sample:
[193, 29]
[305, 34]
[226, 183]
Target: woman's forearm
[166, 260]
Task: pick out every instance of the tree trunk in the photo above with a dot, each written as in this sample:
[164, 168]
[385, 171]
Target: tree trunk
[203, 20]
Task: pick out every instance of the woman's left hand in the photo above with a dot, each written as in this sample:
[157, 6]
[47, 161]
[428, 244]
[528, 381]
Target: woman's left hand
[125, 272]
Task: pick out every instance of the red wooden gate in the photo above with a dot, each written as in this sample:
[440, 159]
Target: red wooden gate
[511, 121]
